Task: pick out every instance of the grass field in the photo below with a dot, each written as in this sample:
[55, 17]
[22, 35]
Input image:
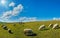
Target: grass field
[19, 28]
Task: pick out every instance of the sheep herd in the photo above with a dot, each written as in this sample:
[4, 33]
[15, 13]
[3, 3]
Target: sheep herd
[52, 26]
[6, 28]
[29, 32]
[42, 27]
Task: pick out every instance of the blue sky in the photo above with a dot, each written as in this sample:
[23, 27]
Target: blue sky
[30, 10]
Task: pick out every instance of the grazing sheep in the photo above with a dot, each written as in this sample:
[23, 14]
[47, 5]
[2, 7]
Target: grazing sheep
[9, 30]
[55, 26]
[51, 25]
[42, 27]
[28, 32]
[5, 27]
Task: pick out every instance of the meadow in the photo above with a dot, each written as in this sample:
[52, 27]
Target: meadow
[18, 30]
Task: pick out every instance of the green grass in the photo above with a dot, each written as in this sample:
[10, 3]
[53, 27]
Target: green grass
[18, 30]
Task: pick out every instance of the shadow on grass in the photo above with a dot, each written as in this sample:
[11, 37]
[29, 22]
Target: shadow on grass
[44, 29]
[34, 34]
[57, 28]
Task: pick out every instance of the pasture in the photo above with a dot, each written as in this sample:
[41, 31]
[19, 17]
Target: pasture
[18, 30]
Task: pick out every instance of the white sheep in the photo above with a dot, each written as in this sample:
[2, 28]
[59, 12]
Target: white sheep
[42, 27]
[11, 32]
[55, 26]
[28, 31]
[4, 27]
[51, 25]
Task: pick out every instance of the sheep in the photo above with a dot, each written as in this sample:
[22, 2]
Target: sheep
[9, 30]
[55, 26]
[4, 27]
[28, 29]
[51, 25]
[28, 32]
[42, 27]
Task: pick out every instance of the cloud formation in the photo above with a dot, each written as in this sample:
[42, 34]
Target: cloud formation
[27, 19]
[56, 18]
[12, 4]
[14, 12]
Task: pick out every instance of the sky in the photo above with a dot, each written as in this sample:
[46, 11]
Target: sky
[29, 10]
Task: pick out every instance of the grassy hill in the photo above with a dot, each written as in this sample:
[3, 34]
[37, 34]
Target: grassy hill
[18, 30]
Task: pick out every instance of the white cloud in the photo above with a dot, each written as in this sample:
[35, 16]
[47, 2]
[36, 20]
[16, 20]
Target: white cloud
[27, 19]
[56, 18]
[12, 4]
[17, 9]
[14, 12]
[21, 19]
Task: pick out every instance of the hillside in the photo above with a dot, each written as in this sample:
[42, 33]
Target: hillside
[18, 30]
